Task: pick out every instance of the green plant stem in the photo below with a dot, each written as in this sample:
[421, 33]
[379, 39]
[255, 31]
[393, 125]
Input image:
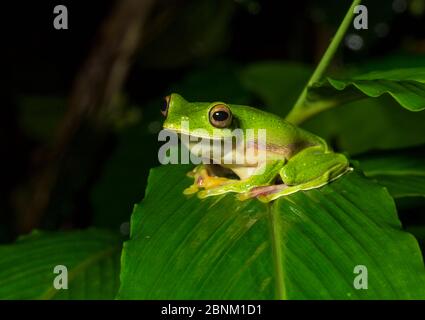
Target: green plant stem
[297, 114]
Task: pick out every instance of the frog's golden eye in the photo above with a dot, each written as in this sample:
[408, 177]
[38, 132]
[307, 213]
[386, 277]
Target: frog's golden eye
[220, 116]
[165, 105]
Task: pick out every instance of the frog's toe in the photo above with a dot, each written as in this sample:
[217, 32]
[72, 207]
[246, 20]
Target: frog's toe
[244, 196]
[202, 194]
[191, 190]
[207, 193]
[212, 182]
[264, 199]
[213, 192]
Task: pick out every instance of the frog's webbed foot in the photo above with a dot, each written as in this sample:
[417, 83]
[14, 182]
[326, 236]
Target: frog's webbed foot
[205, 178]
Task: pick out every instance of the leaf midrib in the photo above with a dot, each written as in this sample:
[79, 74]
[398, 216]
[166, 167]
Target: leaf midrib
[277, 253]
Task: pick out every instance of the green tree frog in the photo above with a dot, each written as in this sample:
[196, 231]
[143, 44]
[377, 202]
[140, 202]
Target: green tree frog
[292, 159]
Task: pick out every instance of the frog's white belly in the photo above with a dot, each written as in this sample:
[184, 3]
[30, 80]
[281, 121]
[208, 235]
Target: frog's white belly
[246, 162]
[243, 172]
[240, 159]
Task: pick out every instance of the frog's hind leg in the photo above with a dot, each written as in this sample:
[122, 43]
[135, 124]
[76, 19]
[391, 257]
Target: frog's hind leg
[310, 169]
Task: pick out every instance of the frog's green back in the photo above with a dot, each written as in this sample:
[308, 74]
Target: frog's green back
[280, 133]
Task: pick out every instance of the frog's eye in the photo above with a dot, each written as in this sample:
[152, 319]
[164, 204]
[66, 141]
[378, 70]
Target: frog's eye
[220, 116]
[165, 105]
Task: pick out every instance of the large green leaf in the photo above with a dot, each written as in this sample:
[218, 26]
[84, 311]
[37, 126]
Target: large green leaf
[305, 245]
[406, 86]
[278, 84]
[401, 171]
[91, 257]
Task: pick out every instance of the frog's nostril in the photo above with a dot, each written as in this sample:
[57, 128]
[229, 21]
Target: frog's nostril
[165, 105]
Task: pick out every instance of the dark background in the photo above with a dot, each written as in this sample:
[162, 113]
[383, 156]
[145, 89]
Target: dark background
[68, 164]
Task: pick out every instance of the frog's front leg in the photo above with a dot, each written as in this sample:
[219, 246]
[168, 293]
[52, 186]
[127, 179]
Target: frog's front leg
[308, 169]
[264, 175]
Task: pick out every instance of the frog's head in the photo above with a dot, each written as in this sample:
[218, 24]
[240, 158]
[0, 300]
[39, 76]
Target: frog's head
[188, 118]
